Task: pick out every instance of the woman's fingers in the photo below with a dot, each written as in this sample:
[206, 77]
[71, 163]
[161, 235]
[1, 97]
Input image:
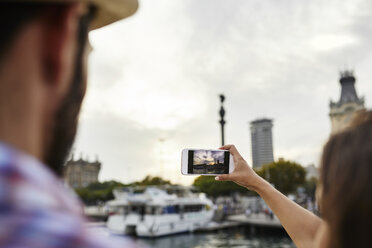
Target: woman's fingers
[234, 152]
[232, 149]
[242, 174]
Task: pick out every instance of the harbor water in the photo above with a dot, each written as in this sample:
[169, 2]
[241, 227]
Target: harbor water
[231, 237]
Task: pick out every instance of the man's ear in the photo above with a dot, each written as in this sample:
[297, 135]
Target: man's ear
[60, 25]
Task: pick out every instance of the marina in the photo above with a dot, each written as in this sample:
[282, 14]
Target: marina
[178, 217]
[154, 211]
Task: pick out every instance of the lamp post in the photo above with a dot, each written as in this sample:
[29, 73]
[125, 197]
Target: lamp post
[222, 121]
[161, 141]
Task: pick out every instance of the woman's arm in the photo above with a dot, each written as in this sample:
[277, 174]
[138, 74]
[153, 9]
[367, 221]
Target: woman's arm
[300, 224]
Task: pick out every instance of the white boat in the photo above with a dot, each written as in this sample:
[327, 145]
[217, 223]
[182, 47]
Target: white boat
[152, 211]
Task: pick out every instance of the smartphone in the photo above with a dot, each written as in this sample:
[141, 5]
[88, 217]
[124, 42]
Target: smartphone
[206, 162]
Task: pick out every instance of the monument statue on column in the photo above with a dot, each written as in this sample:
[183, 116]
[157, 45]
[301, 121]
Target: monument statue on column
[222, 121]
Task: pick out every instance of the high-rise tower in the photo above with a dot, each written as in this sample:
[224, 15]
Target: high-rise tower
[343, 111]
[262, 142]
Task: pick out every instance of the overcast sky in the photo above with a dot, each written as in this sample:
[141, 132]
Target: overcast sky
[155, 78]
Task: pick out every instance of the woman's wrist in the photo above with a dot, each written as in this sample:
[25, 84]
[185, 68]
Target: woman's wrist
[257, 184]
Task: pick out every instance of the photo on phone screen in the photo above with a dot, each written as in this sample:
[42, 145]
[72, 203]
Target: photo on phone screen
[208, 162]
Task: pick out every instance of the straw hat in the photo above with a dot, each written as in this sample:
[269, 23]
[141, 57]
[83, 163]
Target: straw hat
[108, 11]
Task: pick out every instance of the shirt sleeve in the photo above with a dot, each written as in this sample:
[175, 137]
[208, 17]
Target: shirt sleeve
[40, 229]
[37, 212]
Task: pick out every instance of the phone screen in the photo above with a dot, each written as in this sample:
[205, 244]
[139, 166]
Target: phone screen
[208, 162]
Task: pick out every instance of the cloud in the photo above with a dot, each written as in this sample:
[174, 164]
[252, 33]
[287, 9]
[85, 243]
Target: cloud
[158, 74]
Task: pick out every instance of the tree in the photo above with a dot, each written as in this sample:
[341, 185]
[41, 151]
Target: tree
[149, 180]
[211, 187]
[98, 192]
[101, 192]
[285, 175]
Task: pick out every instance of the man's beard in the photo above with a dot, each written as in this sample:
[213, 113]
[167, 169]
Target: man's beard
[65, 124]
[66, 117]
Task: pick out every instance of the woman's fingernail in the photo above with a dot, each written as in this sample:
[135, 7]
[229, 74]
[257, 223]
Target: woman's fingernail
[216, 178]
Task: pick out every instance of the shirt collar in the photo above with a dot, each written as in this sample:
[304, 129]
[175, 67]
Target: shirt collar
[12, 158]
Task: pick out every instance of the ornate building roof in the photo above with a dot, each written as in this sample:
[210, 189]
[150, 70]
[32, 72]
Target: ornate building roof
[80, 173]
[348, 92]
[343, 111]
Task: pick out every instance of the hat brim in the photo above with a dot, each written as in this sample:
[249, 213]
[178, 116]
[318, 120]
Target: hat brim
[108, 11]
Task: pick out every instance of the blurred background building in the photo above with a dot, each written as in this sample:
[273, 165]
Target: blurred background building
[343, 111]
[262, 142]
[80, 173]
[311, 172]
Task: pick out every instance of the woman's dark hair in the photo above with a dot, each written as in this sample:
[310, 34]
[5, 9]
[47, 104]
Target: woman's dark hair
[346, 180]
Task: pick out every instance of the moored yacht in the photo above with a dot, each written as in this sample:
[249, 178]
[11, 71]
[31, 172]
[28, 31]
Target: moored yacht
[152, 211]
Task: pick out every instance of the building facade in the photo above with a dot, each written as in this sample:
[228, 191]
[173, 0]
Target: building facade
[262, 142]
[343, 111]
[80, 173]
[311, 172]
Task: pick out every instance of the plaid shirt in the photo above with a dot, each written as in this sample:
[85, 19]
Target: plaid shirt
[37, 211]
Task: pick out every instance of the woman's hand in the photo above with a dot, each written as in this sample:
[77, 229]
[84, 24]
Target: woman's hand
[242, 174]
[300, 224]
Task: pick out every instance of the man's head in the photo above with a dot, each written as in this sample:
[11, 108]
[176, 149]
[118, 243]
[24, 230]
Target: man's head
[43, 57]
[43, 70]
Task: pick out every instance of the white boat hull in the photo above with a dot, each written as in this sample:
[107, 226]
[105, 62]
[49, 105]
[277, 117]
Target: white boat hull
[158, 225]
[152, 212]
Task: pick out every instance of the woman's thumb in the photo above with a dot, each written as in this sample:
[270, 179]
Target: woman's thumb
[225, 177]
